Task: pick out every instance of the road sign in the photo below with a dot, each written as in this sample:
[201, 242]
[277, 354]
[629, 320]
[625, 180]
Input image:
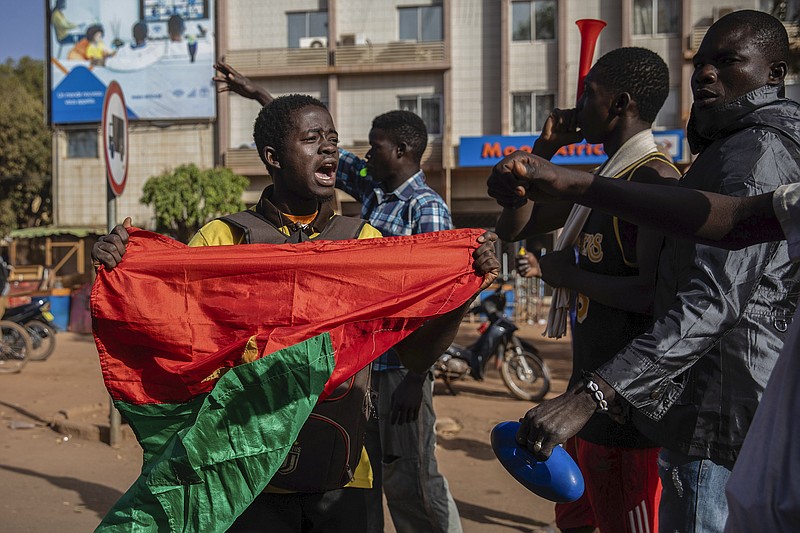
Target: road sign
[115, 137]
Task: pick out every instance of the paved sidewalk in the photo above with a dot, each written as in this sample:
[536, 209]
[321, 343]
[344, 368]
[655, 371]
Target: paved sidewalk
[68, 481]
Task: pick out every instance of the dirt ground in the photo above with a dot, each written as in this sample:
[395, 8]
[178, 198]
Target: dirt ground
[50, 480]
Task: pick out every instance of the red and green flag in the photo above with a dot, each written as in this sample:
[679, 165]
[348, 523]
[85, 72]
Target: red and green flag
[217, 355]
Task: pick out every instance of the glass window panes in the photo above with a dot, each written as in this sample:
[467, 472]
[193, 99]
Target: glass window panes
[429, 108]
[545, 15]
[420, 23]
[533, 21]
[308, 24]
[521, 108]
[785, 10]
[652, 17]
[82, 143]
[431, 23]
[408, 23]
[521, 21]
[431, 115]
[544, 104]
[667, 16]
[530, 111]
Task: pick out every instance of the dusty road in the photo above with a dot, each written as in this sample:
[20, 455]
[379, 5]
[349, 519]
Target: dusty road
[49, 481]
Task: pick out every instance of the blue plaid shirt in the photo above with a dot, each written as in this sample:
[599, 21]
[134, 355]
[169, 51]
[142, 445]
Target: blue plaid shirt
[410, 209]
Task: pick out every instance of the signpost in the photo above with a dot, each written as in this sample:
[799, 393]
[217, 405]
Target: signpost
[115, 153]
[115, 138]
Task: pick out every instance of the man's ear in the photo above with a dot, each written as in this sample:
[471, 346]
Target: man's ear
[777, 72]
[271, 157]
[621, 103]
[401, 150]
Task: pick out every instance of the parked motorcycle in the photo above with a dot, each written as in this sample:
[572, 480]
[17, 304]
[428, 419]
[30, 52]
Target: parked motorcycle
[37, 319]
[524, 373]
[15, 347]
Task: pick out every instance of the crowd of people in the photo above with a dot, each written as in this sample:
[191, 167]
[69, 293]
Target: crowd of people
[686, 290]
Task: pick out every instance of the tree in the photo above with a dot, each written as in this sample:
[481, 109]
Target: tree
[188, 197]
[24, 147]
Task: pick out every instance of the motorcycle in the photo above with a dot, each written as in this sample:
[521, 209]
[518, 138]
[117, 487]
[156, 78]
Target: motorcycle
[37, 319]
[524, 373]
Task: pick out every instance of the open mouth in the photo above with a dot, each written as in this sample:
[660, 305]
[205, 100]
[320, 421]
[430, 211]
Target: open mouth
[326, 174]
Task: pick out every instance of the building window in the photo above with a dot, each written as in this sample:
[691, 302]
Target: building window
[420, 24]
[785, 10]
[307, 25]
[656, 17]
[530, 111]
[533, 21]
[429, 108]
[82, 143]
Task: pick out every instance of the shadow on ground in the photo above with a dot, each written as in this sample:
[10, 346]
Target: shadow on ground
[484, 515]
[474, 448]
[95, 497]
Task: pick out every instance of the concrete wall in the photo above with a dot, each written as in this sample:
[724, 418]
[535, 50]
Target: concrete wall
[80, 184]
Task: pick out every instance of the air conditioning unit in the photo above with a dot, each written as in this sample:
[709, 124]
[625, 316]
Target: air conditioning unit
[313, 42]
[351, 39]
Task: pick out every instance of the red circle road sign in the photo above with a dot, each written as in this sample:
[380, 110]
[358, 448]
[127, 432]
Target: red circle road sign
[115, 137]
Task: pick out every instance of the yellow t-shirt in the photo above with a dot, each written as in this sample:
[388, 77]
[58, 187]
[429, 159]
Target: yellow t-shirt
[218, 233]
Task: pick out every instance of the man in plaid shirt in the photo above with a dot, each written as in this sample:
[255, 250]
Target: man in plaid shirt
[396, 200]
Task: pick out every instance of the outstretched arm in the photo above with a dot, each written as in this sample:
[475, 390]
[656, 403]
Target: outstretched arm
[714, 219]
[232, 80]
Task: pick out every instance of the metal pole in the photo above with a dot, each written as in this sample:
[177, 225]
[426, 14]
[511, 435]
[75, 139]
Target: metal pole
[114, 418]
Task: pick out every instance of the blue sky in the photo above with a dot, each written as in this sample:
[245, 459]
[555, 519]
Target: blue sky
[22, 29]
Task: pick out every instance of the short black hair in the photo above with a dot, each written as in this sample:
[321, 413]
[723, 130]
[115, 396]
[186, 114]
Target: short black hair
[768, 33]
[93, 30]
[639, 72]
[276, 118]
[175, 25]
[140, 31]
[404, 127]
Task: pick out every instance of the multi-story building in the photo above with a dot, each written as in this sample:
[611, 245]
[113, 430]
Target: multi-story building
[483, 74]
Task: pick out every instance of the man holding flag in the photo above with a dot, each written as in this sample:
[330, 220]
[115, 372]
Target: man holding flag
[255, 316]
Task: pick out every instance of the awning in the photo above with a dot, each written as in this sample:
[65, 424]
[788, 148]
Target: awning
[49, 231]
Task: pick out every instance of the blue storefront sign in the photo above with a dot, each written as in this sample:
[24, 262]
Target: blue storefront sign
[488, 150]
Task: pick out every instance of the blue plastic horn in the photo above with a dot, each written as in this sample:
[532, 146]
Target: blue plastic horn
[558, 479]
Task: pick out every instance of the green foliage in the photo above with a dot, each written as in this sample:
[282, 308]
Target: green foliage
[186, 198]
[24, 147]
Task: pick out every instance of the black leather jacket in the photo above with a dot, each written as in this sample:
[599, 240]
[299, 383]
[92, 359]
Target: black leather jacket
[696, 377]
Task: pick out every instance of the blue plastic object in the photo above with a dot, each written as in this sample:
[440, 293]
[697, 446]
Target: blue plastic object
[558, 479]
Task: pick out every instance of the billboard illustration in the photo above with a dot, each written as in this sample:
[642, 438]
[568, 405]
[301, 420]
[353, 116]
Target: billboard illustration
[161, 52]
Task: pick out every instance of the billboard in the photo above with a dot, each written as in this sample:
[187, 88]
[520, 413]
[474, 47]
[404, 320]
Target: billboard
[488, 150]
[161, 52]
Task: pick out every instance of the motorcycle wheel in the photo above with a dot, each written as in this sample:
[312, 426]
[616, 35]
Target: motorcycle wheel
[525, 375]
[15, 346]
[44, 340]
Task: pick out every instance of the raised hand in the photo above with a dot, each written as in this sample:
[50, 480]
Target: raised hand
[485, 256]
[528, 266]
[560, 129]
[109, 249]
[238, 83]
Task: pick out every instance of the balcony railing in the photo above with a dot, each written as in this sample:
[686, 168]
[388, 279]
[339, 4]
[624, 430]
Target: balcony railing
[792, 28]
[346, 58]
[398, 52]
[246, 161]
[268, 59]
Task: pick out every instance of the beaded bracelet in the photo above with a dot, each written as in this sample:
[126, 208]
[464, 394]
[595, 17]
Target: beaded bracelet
[594, 390]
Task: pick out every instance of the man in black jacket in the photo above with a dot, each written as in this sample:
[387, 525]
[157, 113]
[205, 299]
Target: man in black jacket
[695, 378]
